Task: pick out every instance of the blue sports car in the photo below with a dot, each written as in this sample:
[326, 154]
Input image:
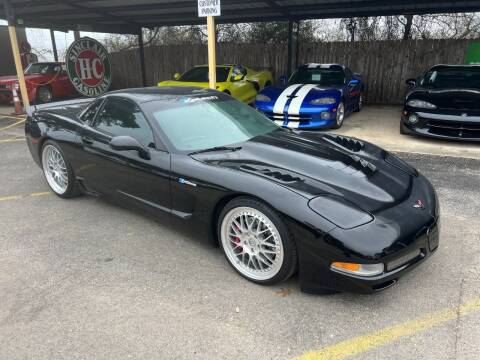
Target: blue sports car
[316, 96]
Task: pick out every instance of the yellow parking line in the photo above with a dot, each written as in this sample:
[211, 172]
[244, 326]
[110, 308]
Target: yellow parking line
[382, 337]
[17, 197]
[12, 116]
[12, 125]
[12, 140]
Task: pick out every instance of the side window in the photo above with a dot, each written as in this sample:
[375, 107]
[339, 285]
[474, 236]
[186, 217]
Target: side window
[122, 117]
[89, 115]
[238, 70]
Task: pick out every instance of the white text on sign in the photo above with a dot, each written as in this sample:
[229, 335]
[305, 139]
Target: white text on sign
[208, 8]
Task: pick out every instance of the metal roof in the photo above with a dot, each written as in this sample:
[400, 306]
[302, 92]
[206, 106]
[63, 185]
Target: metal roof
[127, 16]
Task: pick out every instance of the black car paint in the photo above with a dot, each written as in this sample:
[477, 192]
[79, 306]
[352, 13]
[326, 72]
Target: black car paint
[457, 115]
[284, 169]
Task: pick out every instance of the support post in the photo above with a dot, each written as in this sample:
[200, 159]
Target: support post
[18, 64]
[212, 67]
[141, 50]
[54, 45]
[290, 48]
[76, 34]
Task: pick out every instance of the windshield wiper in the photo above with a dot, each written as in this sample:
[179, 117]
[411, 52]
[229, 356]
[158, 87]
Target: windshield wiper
[217, 148]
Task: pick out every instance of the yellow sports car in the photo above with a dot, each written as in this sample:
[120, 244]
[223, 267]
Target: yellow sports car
[238, 81]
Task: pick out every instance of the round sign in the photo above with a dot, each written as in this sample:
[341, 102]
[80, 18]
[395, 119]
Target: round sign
[88, 67]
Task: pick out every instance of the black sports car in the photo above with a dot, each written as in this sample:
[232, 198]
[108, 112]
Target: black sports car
[444, 103]
[344, 213]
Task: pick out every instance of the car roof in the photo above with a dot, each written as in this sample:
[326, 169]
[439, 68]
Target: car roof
[454, 66]
[156, 93]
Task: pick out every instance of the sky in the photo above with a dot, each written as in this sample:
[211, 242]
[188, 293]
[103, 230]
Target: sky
[40, 41]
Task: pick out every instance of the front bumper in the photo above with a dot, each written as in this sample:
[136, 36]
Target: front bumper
[313, 117]
[401, 237]
[450, 125]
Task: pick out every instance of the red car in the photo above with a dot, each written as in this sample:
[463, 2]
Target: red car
[46, 81]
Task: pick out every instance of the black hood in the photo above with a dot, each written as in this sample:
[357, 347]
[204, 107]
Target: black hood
[448, 99]
[69, 109]
[313, 164]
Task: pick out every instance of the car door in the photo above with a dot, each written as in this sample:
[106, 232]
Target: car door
[242, 89]
[124, 174]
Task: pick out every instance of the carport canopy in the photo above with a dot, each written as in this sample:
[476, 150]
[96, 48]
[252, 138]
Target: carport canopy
[129, 17]
[126, 16]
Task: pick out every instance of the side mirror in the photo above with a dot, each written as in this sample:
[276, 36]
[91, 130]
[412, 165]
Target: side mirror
[176, 76]
[123, 143]
[238, 77]
[411, 82]
[283, 80]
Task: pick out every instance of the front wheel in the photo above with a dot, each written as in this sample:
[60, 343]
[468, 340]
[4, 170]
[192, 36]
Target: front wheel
[256, 241]
[340, 116]
[57, 171]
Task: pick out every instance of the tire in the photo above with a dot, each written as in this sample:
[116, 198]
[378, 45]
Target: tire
[57, 171]
[227, 92]
[267, 84]
[340, 116]
[404, 130]
[360, 103]
[269, 263]
[44, 95]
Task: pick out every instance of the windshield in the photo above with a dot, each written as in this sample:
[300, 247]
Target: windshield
[207, 124]
[452, 78]
[200, 74]
[42, 69]
[319, 76]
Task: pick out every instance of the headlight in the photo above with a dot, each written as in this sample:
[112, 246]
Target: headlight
[358, 269]
[421, 104]
[323, 101]
[263, 98]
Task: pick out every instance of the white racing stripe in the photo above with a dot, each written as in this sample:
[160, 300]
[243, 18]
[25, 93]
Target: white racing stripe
[278, 122]
[296, 104]
[283, 98]
[293, 124]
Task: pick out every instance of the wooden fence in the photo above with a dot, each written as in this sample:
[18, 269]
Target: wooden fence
[385, 65]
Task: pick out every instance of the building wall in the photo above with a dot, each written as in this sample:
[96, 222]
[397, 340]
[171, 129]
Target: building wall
[7, 66]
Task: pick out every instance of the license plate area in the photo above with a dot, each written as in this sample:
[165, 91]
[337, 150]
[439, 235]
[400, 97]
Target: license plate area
[405, 259]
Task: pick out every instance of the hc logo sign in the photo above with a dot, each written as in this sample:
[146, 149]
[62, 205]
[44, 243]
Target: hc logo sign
[90, 68]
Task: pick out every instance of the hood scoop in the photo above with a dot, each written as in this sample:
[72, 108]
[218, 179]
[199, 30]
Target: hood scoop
[279, 175]
[363, 165]
[347, 143]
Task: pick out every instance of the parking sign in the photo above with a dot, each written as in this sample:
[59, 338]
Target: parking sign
[208, 8]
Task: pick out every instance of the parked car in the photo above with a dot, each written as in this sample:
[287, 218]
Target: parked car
[444, 103]
[316, 96]
[236, 80]
[344, 213]
[46, 81]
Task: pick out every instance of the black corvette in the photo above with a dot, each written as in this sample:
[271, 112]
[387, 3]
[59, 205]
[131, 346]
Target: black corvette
[444, 103]
[345, 214]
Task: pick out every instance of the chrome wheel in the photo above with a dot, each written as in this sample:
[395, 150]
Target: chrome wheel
[340, 114]
[44, 95]
[55, 169]
[252, 243]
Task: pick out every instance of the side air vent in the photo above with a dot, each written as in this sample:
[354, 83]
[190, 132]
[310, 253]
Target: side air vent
[348, 143]
[273, 173]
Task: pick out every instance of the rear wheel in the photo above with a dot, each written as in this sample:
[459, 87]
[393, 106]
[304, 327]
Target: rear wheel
[256, 241]
[57, 171]
[44, 95]
[360, 103]
[340, 116]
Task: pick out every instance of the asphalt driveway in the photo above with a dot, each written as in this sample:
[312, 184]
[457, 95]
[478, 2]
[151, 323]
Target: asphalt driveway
[84, 279]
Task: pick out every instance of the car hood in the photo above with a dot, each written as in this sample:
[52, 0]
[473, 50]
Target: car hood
[452, 99]
[13, 78]
[274, 92]
[69, 109]
[187, 83]
[317, 164]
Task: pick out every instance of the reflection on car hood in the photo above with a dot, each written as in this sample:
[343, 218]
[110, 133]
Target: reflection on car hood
[313, 164]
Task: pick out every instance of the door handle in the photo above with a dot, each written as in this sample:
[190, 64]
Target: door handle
[87, 140]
